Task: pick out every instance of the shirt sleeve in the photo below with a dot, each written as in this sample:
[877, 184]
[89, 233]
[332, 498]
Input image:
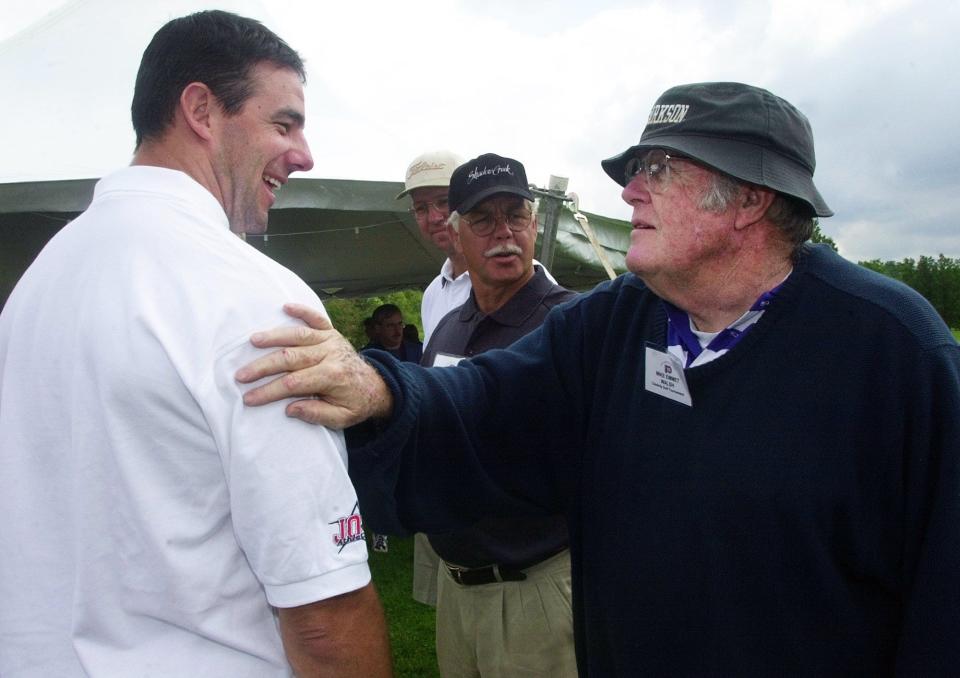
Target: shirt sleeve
[294, 510]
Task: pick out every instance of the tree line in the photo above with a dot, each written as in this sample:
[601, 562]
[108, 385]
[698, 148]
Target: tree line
[936, 279]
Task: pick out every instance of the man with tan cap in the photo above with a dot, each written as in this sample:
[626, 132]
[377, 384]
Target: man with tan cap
[426, 182]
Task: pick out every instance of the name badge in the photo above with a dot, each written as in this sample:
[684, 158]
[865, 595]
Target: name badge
[663, 375]
[446, 360]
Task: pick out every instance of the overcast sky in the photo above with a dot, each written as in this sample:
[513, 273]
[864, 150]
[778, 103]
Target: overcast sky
[557, 84]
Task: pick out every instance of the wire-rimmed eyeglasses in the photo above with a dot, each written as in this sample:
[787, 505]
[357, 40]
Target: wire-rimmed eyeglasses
[483, 222]
[655, 165]
[422, 209]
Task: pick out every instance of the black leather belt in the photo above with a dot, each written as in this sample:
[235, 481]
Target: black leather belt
[475, 576]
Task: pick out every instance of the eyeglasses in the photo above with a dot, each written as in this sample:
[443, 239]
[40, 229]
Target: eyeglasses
[655, 165]
[484, 223]
[422, 209]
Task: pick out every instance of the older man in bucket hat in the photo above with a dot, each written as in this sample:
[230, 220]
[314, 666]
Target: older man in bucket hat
[757, 443]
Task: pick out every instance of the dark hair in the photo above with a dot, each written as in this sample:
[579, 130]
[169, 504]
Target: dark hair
[411, 333]
[216, 48]
[384, 311]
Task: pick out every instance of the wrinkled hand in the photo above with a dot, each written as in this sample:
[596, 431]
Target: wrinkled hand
[315, 362]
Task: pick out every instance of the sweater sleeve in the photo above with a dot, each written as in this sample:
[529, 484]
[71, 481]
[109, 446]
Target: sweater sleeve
[492, 436]
[931, 560]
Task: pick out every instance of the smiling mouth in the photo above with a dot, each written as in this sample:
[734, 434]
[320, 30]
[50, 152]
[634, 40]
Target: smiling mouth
[273, 183]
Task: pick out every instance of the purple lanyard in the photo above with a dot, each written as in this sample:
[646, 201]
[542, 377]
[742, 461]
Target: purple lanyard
[680, 334]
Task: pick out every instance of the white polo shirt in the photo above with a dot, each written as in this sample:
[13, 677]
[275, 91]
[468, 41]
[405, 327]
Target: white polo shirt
[443, 294]
[148, 520]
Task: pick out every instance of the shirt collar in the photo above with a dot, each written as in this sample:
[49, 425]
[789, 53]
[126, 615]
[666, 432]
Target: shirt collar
[446, 273]
[680, 328]
[518, 308]
[169, 184]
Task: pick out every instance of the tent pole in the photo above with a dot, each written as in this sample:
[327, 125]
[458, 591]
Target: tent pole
[552, 200]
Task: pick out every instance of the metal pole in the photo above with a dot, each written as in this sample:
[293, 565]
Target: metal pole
[552, 200]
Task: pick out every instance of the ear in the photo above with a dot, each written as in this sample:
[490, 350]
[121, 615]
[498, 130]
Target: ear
[197, 105]
[455, 236]
[752, 205]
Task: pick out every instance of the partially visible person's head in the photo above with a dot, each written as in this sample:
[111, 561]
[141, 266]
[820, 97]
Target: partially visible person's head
[389, 322]
[216, 48]
[370, 328]
[411, 332]
[221, 97]
[426, 182]
[494, 220]
[708, 150]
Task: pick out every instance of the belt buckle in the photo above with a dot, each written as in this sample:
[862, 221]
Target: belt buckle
[456, 573]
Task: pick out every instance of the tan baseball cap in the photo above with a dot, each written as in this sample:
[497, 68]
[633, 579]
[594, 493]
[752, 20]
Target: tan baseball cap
[433, 168]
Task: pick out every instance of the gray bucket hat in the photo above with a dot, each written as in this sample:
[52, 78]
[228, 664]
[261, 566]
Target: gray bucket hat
[743, 131]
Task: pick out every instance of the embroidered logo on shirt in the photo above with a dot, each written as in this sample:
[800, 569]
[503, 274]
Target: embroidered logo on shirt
[349, 529]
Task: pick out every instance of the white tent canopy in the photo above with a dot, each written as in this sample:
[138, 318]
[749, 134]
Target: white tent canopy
[72, 74]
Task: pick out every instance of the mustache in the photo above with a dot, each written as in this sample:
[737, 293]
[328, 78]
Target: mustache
[505, 248]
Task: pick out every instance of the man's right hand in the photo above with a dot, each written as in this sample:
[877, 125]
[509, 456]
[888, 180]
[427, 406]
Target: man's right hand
[318, 363]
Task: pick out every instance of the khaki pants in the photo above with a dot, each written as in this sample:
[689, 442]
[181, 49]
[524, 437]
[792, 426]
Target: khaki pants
[508, 629]
[426, 562]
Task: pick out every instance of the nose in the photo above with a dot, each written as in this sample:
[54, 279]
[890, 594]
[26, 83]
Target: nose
[300, 159]
[501, 228]
[435, 214]
[635, 190]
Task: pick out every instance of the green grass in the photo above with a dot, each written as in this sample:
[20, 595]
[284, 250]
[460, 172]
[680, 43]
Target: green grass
[412, 625]
[956, 334]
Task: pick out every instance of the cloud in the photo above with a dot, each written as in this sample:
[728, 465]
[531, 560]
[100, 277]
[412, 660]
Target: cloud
[559, 85]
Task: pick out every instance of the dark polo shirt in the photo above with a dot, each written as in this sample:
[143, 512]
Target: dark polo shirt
[465, 332]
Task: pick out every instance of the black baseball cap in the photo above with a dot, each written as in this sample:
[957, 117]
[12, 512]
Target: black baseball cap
[743, 131]
[486, 175]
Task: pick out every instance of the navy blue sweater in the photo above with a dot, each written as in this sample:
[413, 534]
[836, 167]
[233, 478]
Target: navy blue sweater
[801, 518]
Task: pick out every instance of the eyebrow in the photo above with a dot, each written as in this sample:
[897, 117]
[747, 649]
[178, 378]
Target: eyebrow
[507, 204]
[293, 115]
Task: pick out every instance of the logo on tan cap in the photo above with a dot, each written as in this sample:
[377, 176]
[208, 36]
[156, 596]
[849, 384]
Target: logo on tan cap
[430, 169]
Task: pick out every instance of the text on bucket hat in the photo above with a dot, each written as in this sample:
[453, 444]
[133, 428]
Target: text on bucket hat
[430, 169]
[486, 175]
[744, 131]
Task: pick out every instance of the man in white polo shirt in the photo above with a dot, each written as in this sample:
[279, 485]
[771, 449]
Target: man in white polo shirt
[426, 182]
[150, 524]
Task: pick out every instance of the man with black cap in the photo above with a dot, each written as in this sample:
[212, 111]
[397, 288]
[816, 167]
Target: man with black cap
[427, 182]
[493, 569]
[757, 443]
